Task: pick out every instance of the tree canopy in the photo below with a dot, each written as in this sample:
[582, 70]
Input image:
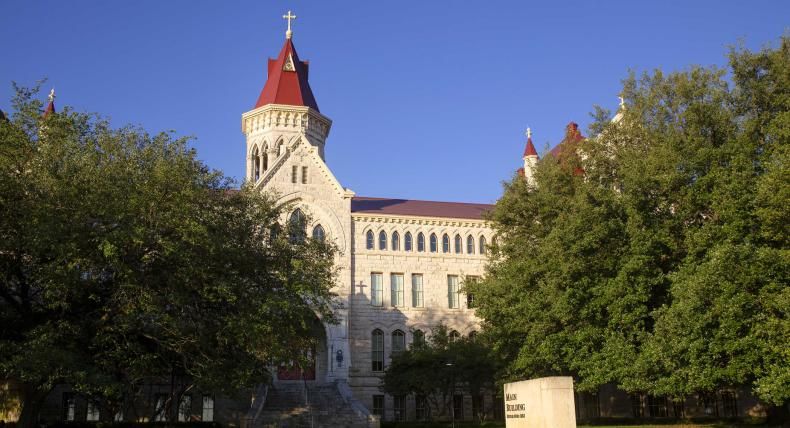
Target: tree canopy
[663, 266]
[123, 257]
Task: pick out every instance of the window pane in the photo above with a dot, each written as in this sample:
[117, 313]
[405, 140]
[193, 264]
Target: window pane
[482, 245]
[445, 243]
[434, 243]
[297, 226]
[382, 240]
[407, 242]
[378, 405]
[318, 233]
[416, 290]
[396, 286]
[470, 245]
[452, 291]
[92, 411]
[376, 289]
[294, 172]
[304, 175]
[69, 406]
[421, 407]
[208, 408]
[418, 338]
[420, 242]
[377, 350]
[159, 408]
[398, 342]
[399, 404]
[395, 241]
[457, 243]
[185, 408]
[369, 242]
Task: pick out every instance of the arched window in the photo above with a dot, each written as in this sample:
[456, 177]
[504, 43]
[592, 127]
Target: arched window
[482, 245]
[265, 159]
[494, 242]
[454, 335]
[318, 233]
[418, 338]
[472, 335]
[382, 240]
[470, 245]
[369, 240]
[445, 243]
[398, 342]
[296, 226]
[395, 241]
[256, 164]
[458, 244]
[420, 242]
[434, 243]
[407, 241]
[377, 350]
[280, 148]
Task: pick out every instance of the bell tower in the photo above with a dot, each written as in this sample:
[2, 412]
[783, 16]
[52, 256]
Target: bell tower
[286, 113]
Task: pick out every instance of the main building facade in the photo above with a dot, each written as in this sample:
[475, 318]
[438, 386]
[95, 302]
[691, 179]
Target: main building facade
[402, 263]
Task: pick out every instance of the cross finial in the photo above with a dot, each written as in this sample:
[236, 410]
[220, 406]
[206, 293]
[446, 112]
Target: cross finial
[52, 95]
[622, 102]
[529, 133]
[289, 17]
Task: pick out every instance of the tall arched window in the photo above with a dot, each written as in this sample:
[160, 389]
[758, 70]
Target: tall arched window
[369, 240]
[458, 244]
[256, 164]
[454, 335]
[280, 148]
[407, 241]
[398, 342]
[418, 338]
[493, 242]
[395, 241]
[377, 350]
[420, 242]
[482, 245]
[265, 161]
[296, 226]
[470, 245]
[318, 233]
[445, 243]
[382, 240]
[434, 243]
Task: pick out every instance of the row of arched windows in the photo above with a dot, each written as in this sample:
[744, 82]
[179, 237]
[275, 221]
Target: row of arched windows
[398, 344]
[456, 246]
[260, 159]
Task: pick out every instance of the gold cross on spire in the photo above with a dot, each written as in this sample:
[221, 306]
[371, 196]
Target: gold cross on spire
[289, 17]
[529, 133]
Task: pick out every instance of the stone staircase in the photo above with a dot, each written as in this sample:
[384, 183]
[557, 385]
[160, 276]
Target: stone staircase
[300, 405]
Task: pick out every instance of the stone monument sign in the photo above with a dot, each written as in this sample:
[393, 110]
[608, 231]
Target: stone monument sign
[540, 403]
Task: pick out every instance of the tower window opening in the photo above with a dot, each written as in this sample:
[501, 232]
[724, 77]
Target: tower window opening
[304, 175]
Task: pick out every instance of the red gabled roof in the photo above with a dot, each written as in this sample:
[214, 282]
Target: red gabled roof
[285, 86]
[419, 208]
[572, 137]
[529, 150]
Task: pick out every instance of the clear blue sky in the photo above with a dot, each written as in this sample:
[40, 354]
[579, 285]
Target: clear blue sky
[429, 99]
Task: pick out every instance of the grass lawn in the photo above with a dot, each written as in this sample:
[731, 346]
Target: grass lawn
[467, 424]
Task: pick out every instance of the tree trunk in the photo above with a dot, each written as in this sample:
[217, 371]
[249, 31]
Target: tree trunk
[32, 402]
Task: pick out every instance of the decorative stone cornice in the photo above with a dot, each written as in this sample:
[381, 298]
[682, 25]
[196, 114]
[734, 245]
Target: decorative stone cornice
[417, 220]
[286, 118]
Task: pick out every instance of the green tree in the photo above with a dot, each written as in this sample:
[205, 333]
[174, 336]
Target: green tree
[440, 367]
[663, 266]
[124, 258]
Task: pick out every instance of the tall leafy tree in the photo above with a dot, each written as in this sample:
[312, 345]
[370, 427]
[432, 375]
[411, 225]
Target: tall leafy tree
[124, 257]
[654, 254]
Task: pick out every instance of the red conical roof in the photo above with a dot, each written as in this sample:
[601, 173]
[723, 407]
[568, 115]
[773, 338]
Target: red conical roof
[50, 108]
[529, 150]
[287, 82]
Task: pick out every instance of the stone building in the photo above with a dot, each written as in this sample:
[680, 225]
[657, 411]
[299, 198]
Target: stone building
[402, 263]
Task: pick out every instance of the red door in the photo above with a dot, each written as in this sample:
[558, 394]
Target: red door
[292, 371]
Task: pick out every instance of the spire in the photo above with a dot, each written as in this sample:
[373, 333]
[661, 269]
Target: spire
[287, 81]
[51, 106]
[529, 150]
